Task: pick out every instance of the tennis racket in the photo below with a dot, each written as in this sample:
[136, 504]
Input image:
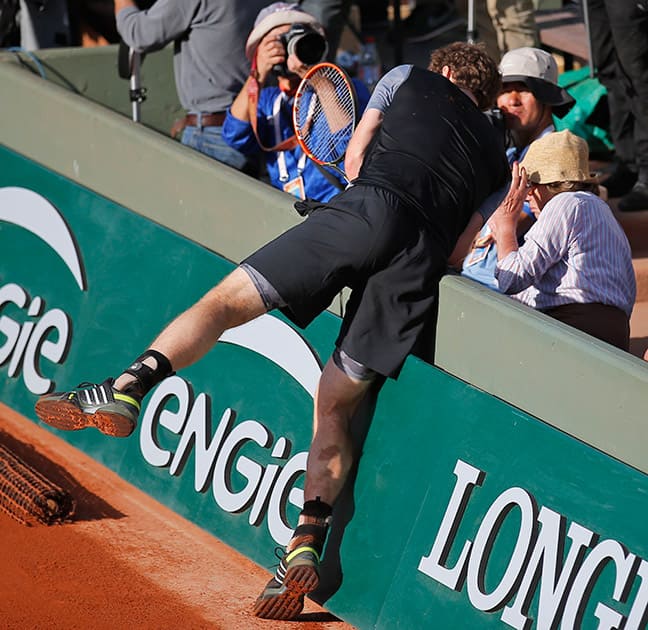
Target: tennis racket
[325, 113]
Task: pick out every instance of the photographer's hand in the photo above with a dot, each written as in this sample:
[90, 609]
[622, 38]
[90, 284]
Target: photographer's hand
[270, 52]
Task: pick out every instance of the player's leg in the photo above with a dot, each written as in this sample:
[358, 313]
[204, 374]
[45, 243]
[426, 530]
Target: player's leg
[330, 454]
[193, 333]
[113, 406]
[329, 461]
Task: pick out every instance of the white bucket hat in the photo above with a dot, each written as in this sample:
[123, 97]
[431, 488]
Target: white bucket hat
[538, 70]
[274, 15]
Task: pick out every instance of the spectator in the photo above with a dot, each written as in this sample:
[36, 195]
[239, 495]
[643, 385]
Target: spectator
[209, 60]
[288, 169]
[514, 23]
[619, 35]
[427, 159]
[575, 264]
[92, 22]
[484, 30]
[529, 98]
[44, 24]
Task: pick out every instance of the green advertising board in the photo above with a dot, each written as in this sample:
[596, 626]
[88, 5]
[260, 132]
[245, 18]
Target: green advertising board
[464, 512]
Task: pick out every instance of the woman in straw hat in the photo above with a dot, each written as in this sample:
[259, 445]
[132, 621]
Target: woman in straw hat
[575, 264]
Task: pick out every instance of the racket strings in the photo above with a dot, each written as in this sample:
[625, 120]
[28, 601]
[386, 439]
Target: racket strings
[325, 115]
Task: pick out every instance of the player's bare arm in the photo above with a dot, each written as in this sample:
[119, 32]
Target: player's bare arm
[465, 240]
[367, 127]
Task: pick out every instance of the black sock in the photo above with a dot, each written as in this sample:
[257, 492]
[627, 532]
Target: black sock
[312, 532]
[317, 509]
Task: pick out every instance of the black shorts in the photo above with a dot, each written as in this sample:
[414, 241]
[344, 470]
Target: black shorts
[368, 240]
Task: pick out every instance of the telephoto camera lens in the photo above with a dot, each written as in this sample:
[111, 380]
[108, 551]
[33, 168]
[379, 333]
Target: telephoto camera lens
[306, 44]
[303, 41]
[309, 48]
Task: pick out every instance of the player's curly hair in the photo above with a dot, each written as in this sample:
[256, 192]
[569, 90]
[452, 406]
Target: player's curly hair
[472, 69]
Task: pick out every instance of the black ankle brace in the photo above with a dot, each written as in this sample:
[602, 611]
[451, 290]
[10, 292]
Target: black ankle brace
[146, 378]
[312, 532]
[317, 509]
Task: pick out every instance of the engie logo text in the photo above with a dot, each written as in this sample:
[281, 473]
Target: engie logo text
[39, 334]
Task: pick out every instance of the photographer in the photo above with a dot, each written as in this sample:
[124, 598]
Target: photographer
[284, 43]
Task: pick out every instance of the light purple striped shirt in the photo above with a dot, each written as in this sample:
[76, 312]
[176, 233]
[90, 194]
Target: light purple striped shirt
[575, 252]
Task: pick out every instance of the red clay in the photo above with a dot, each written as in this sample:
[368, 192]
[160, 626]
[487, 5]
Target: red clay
[125, 561]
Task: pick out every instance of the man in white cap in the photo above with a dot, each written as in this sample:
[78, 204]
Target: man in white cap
[284, 43]
[530, 96]
[529, 99]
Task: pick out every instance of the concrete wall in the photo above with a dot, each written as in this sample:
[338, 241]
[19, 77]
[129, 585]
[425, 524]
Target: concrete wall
[92, 73]
[568, 379]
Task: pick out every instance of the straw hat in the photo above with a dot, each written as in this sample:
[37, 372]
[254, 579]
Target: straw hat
[538, 70]
[558, 157]
[274, 15]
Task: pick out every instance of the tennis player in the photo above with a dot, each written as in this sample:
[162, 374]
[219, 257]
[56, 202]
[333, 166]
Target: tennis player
[425, 162]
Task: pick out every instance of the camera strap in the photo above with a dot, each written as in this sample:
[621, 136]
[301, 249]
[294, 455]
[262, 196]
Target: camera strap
[253, 102]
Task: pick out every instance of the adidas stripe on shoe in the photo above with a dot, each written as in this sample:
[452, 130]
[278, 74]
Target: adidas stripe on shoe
[101, 406]
[297, 575]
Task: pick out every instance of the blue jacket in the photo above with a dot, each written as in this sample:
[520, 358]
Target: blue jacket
[240, 135]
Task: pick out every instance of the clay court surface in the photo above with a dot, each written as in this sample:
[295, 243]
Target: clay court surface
[125, 561]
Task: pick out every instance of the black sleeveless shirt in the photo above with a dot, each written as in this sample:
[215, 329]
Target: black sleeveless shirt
[437, 152]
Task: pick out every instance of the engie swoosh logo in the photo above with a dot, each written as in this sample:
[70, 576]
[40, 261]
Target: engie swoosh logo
[270, 337]
[266, 335]
[34, 213]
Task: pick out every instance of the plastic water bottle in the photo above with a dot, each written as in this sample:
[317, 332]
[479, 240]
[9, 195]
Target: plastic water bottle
[369, 66]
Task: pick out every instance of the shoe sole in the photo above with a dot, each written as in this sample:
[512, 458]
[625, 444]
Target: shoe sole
[68, 417]
[299, 581]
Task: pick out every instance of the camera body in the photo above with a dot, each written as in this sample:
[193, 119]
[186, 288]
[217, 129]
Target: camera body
[496, 118]
[306, 43]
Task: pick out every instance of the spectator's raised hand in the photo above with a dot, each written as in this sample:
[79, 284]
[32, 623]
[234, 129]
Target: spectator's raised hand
[503, 222]
[508, 212]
